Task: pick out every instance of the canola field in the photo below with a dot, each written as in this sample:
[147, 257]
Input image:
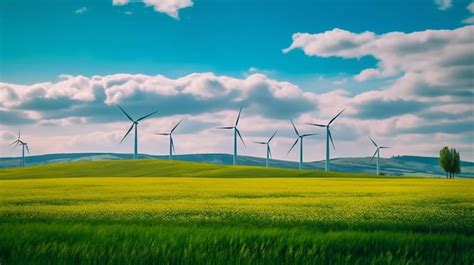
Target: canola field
[161, 212]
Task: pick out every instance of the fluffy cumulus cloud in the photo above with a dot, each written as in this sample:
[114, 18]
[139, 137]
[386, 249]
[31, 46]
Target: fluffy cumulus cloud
[95, 98]
[169, 7]
[431, 65]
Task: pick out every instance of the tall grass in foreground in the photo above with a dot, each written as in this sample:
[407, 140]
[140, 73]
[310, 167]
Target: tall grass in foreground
[39, 243]
[233, 219]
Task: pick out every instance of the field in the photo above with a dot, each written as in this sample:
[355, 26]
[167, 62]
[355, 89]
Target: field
[161, 212]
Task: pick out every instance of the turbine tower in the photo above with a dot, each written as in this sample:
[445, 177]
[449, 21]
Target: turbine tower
[236, 133]
[377, 152]
[134, 126]
[267, 144]
[24, 146]
[328, 137]
[170, 134]
[300, 139]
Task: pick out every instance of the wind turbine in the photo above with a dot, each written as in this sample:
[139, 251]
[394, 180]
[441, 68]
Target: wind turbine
[170, 134]
[269, 152]
[377, 152]
[328, 137]
[236, 132]
[23, 146]
[300, 139]
[134, 125]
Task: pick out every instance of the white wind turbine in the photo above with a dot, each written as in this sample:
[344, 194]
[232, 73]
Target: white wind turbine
[170, 134]
[328, 137]
[377, 152]
[24, 146]
[134, 125]
[269, 152]
[300, 139]
[236, 133]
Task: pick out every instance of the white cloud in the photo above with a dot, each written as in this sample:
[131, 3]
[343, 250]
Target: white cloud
[169, 7]
[469, 20]
[443, 4]
[78, 114]
[77, 96]
[81, 10]
[431, 63]
[470, 7]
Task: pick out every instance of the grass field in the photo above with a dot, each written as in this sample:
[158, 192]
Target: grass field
[161, 212]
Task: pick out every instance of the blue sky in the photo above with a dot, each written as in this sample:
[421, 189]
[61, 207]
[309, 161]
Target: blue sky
[53, 48]
[43, 39]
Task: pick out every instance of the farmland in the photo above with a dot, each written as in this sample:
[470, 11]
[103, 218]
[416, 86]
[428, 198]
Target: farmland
[161, 212]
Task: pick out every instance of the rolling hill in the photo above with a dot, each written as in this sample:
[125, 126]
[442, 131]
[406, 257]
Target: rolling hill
[398, 165]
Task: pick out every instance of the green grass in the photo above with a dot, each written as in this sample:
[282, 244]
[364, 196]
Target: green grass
[161, 212]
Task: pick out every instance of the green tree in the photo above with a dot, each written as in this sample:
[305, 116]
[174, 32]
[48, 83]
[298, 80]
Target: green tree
[450, 161]
[444, 159]
[456, 162]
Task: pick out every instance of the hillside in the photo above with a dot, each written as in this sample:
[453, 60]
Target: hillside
[399, 166]
[159, 168]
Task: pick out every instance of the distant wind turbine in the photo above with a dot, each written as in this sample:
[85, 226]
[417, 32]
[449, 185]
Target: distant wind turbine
[377, 152]
[300, 139]
[328, 137]
[24, 146]
[236, 132]
[170, 134]
[134, 125]
[267, 144]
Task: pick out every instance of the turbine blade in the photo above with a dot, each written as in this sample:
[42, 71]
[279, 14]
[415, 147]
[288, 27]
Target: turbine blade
[162, 133]
[225, 128]
[373, 142]
[269, 140]
[238, 117]
[384, 147]
[330, 138]
[240, 136]
[19, 131]
[260, 142]
[374, 154]
[315, 124]
[270, 152]
[27, 149]
[335, 117]
[126, 114]
[297, 139]
[174, 128]
[131, 127]
[294, 127]
[15, 142]
[146, 116]
[309, 134]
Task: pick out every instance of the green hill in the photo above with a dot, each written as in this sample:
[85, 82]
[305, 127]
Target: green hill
[158, 168]
[395, 166]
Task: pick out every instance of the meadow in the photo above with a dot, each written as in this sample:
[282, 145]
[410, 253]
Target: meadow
[162, 212]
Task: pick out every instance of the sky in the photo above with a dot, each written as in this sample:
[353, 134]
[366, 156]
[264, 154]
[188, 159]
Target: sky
[402, 70]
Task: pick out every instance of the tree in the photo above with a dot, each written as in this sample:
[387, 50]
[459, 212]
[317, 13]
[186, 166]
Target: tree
[444, 158]
[450, 161]
[456, 162]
